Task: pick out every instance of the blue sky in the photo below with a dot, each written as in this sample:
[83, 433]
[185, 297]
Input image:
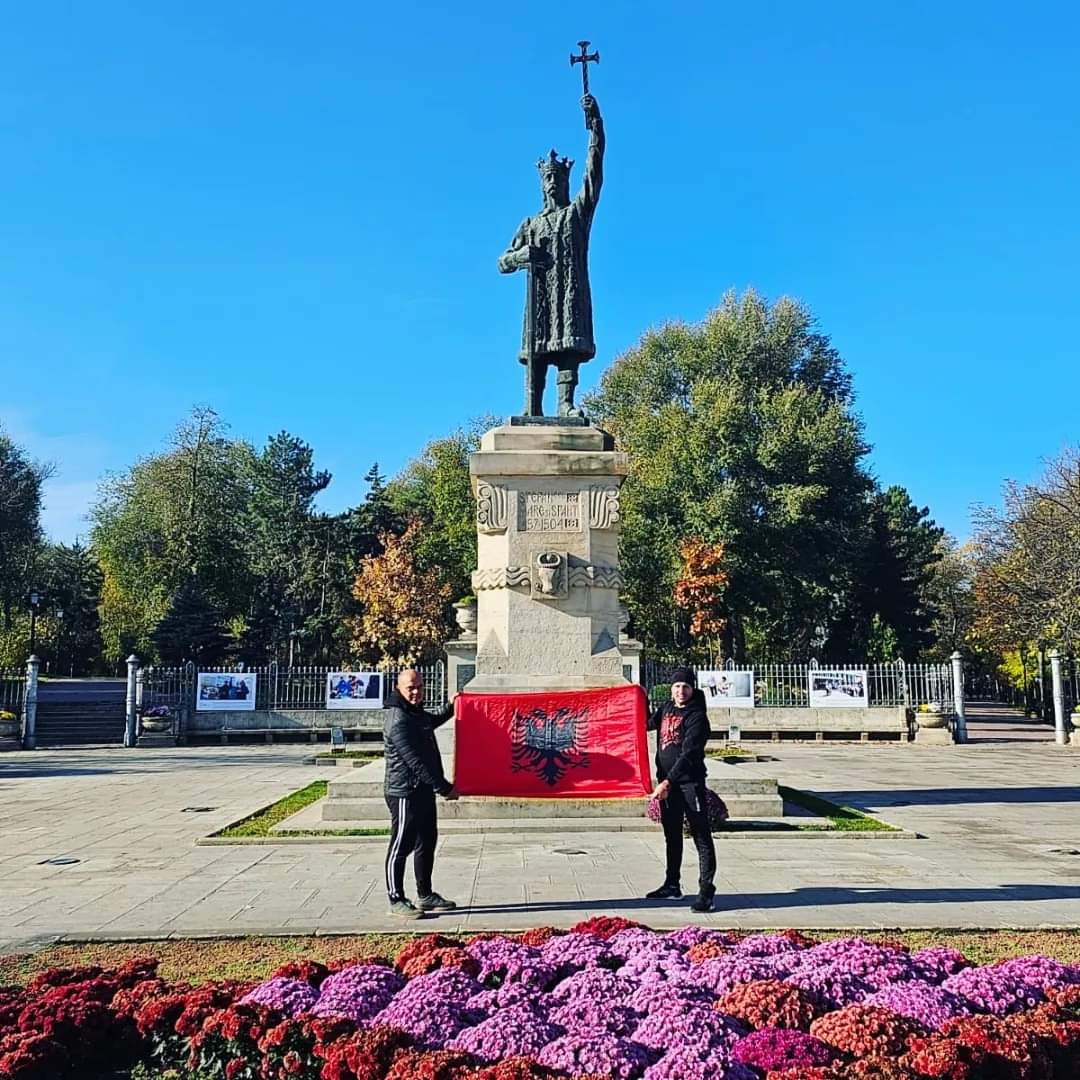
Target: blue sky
[292, 212]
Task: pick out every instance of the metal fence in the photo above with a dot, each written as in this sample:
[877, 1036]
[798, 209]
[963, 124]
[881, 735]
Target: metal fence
[276, 687]
[787, 686]
[12, 689]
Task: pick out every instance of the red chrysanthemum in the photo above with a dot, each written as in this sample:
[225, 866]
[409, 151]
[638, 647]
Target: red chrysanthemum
[439, 958]
[866, 1031]
[705, 950]
[770, 1003]
[606, 926]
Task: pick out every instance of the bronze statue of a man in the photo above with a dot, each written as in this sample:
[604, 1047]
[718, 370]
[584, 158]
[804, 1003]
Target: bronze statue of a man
[553, 247]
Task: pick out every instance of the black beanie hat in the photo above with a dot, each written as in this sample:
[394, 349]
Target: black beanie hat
[684, 674]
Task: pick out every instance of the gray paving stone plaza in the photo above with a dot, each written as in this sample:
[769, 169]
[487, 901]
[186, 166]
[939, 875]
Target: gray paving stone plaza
[1000, 847]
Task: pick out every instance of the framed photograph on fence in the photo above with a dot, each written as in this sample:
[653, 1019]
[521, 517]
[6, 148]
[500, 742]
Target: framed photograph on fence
[354, 690]
[837, 689]
[220, 690]
[727, 689]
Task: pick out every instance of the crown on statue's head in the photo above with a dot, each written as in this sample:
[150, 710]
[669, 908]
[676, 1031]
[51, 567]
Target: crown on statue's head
[554, 164]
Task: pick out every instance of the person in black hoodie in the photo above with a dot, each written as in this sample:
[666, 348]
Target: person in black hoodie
[414, 773]
[682, 727]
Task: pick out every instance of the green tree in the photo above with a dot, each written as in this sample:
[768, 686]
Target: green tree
[1027, 562]
[72, 582]
[436, 490]
[282, 542]
[740, 432]
[21, 538]
[192, 628]
[951, 598]
[889, 609]
[170, 518]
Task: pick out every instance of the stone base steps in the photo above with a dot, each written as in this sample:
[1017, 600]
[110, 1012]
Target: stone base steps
[358, 785]
[552, 811]
[309, 824]
[357, 797]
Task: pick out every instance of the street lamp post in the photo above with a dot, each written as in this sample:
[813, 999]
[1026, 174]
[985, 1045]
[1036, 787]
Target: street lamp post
[35, 603]
[59, 639]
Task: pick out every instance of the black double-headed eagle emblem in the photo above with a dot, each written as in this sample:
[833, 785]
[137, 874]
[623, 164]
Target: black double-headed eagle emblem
[549, 744]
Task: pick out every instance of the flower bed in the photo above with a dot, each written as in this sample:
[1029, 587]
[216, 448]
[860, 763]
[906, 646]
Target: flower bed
[607, 999]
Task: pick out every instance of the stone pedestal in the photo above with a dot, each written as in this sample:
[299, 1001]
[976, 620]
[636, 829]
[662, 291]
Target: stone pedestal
[934, 736]
[460, 663]
[547, 579]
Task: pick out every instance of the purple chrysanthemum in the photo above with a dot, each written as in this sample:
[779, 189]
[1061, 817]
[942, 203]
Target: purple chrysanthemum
[687, 936]
[286, 996]
[834, 988]
[593, 984]
[650, 996]
[358, 992]
[512, 1032]
[583, 1016]
[576, 952]
[765, 945]
[677, 1024]
[992, 990]
[602, 1054]
[719, 974]
[929, 1004]
[1041, 971]
[688, 1063]
[936, 963]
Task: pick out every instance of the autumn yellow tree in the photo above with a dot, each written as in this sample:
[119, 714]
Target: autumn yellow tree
[699, 588]
[404, 607]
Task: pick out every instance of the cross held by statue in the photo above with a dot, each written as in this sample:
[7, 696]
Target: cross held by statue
[585, 59]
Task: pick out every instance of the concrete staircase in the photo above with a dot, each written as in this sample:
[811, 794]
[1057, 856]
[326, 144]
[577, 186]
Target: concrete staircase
[82, 723]
[355, 801]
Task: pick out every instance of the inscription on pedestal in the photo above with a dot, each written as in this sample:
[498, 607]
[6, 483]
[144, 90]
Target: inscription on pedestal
[549, 511]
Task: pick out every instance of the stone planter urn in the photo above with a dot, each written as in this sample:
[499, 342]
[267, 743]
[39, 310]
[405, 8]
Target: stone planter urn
[466, 617]
[10, 725]
[157, 725]
[932, 718]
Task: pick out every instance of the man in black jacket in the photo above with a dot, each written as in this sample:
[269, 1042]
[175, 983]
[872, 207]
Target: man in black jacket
[682, 727]
[414, 773]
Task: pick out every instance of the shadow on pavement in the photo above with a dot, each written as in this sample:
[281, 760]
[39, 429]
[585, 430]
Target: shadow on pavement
[807, 897]
[955, 796]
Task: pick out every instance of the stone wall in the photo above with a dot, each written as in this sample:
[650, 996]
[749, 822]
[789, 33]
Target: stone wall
[817, 723]
[313, 722]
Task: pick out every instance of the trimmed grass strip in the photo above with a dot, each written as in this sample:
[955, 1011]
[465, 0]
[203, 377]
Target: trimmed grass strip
[253, 958]
[262, 821]
[842, 818]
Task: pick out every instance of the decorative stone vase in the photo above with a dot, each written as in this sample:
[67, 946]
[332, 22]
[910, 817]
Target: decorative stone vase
[465, 614]
[933, 718]
[157, 725]
[10, 729]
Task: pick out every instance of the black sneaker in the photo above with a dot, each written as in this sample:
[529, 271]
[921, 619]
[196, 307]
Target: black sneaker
[435, 902]
[405, 909]
[665, 892]
[702, 903]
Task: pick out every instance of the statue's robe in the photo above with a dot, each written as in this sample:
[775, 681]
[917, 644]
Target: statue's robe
[562, 319]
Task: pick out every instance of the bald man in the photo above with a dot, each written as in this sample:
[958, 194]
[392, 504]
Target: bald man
[414, 774]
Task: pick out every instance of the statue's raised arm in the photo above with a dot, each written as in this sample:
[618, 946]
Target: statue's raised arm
[594, 159]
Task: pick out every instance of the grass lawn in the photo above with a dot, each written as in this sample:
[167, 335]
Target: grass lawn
[842, 818]
[255, 957]
[257, 826]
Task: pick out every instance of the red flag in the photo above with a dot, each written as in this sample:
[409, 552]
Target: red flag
[570, 744]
